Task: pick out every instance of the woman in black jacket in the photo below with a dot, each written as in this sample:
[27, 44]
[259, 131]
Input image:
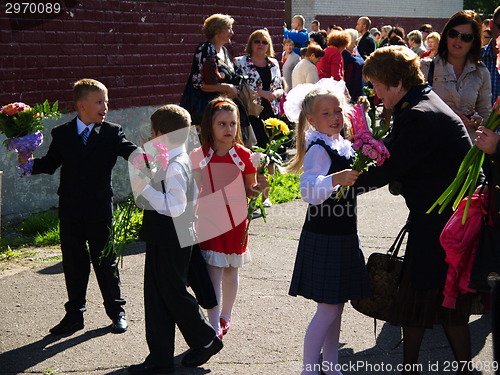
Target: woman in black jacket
[427, 144]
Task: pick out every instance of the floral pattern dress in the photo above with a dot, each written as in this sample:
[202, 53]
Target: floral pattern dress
[244, 66]
[209, 68]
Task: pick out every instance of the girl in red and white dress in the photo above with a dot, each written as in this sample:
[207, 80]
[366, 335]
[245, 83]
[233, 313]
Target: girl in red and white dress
[226, 177]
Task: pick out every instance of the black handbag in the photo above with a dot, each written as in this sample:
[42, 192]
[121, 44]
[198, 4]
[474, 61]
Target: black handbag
[384, 272]
[487, 260]
[195, 101]
[199, 279]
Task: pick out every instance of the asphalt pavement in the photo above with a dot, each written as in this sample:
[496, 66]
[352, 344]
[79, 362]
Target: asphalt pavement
[268, 327]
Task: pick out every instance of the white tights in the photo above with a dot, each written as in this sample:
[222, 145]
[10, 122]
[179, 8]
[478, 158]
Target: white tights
[323, 333]
[225, 282]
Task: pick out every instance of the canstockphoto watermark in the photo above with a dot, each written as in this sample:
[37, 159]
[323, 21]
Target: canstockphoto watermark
[357, 367]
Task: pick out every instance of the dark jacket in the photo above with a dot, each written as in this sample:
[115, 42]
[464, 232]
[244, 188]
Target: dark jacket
[491, 168]
[366, 45]
[427, 143]
[85, 182]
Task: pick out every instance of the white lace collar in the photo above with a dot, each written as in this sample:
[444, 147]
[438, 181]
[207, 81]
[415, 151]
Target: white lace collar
[342, 146]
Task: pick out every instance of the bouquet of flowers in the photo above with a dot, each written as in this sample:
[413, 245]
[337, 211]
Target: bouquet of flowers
[146, 161]
[22, 125]
[277, 131]
[370, 150]
[146, 165]
[468, 173]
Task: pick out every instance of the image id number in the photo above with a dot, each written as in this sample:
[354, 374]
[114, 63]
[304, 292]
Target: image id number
[32, 8]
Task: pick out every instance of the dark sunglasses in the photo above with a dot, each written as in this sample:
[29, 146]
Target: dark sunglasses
[467, 38]
[264, 42]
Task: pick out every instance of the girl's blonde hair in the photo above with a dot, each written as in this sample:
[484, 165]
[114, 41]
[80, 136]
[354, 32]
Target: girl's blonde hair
[303, 125]
[216, 105]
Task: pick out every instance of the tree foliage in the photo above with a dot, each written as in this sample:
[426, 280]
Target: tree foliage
[484, 8]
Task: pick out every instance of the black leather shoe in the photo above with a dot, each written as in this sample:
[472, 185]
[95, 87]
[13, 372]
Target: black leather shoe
[119, 325]
[197, 357]
[147, 369]
[67, 325]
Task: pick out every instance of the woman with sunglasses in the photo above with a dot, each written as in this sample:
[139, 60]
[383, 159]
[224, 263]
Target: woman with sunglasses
[460, 78]
[264, 77]
[263, 72]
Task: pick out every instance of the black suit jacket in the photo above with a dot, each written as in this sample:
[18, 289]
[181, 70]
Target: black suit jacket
[85, 185]
[366, 45]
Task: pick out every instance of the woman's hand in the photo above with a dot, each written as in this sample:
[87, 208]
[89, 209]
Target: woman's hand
[347, 177]
[230, 90]
[268, 95]
[487, 140]
[472, 121]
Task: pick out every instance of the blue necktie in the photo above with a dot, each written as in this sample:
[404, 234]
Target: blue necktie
[85, 135]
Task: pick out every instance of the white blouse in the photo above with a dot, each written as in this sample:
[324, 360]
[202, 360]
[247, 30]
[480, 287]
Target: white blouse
[315, 184]
[173, 201]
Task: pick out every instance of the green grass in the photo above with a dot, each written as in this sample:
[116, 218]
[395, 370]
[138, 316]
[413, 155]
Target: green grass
[49, 237]
[42, 229]
[133, 227]
[40, 223]
[284, 187]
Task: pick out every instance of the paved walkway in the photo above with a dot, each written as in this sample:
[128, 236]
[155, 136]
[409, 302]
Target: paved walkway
[268, 325]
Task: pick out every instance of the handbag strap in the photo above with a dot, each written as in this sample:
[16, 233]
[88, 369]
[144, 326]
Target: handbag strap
[430, 75]
[394, 249]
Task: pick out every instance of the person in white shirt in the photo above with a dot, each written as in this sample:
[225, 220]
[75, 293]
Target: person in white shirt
[168, 197]
[305, 71]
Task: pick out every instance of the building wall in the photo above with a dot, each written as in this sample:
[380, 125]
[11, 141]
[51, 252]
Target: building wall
[400, 13]
[141, 50]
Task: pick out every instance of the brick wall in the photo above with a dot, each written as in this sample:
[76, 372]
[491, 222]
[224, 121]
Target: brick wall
[141, 50]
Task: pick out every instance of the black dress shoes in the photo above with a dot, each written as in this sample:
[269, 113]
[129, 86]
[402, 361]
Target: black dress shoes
[199, 356]
[119, 325]
[147, 369]
[67, 325]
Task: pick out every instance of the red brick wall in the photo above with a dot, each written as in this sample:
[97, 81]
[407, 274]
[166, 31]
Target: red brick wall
[141, 50]
[408, 24]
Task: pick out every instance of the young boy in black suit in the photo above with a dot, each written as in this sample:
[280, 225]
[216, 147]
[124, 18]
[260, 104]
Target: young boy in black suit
[167, 228]
[86, 149]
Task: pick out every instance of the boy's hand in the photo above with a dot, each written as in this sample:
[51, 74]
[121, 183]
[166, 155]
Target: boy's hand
[138, 184]
[23, 159]
[347, 177]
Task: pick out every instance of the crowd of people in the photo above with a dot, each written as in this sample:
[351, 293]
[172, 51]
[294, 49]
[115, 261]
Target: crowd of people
[426, 80]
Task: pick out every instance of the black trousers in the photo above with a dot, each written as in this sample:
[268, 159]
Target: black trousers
[77, 257]
[168, 303]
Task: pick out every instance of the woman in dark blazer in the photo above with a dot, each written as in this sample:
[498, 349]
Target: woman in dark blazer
[427, 144]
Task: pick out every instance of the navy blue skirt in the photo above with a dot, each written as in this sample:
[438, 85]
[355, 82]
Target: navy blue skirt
[329, 269]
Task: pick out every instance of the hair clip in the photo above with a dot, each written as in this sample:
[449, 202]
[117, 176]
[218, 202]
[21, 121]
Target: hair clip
[221, 103]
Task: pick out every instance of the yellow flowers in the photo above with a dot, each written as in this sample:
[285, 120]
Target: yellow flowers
[276, 124]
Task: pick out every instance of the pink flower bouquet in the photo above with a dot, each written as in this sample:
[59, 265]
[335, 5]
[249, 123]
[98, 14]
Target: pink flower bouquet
[370, 150]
